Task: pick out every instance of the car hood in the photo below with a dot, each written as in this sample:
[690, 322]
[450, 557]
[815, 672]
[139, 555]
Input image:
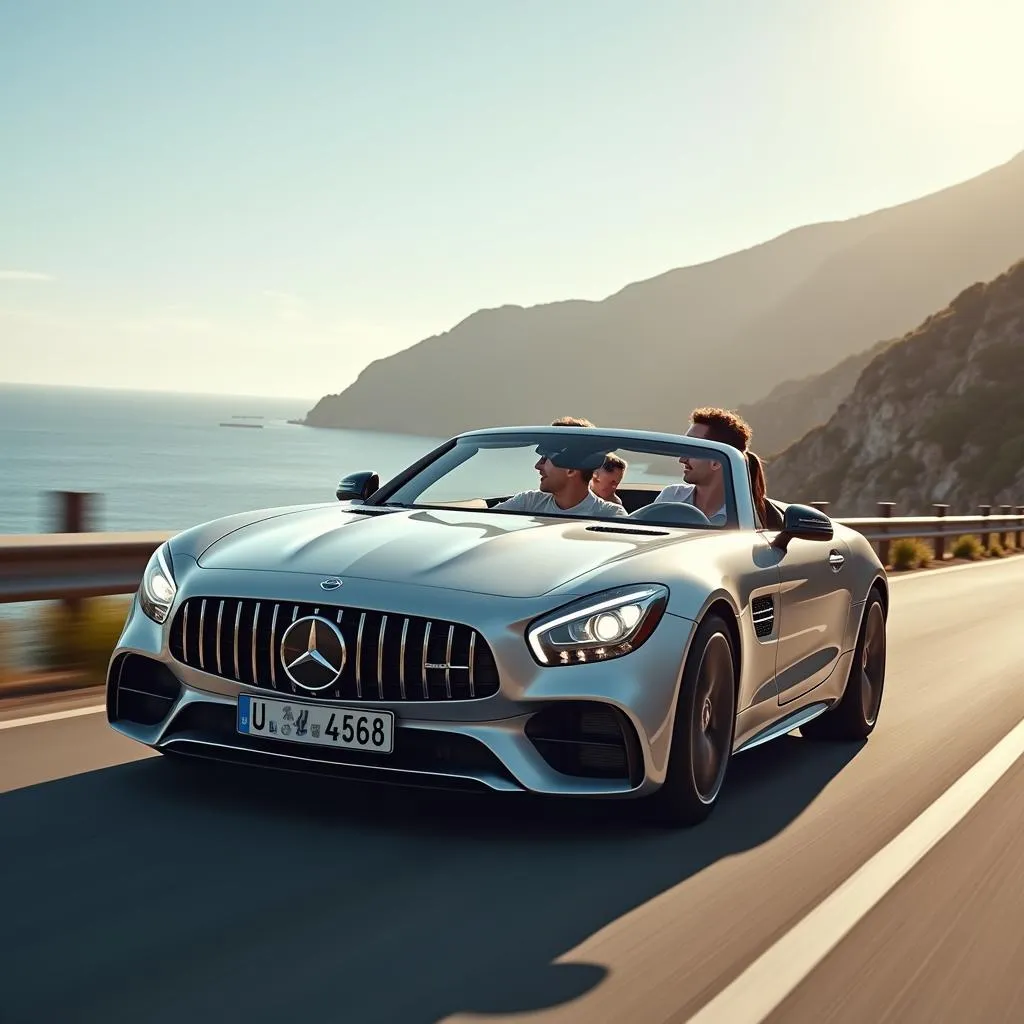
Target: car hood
[476, 551]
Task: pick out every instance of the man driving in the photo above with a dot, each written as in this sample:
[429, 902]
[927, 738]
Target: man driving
[565, 468]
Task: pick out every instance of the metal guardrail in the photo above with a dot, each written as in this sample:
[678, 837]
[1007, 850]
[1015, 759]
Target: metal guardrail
[71, 565]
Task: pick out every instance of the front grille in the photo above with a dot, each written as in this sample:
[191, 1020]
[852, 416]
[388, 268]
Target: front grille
[389, 657]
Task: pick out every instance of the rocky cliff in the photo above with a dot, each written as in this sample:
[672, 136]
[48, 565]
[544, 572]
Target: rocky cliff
[938, 416]
[795, 407]
[723, 332]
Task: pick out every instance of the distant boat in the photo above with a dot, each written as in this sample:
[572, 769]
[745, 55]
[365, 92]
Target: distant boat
[250, 426]
[239, 416]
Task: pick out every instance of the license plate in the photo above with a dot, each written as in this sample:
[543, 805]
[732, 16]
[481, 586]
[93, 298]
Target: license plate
[297, 722]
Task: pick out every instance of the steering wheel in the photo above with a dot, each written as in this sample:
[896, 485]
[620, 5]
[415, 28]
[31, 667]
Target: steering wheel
[677, 513]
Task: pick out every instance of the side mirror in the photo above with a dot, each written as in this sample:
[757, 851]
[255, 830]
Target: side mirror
[358, 487]
[804, 522]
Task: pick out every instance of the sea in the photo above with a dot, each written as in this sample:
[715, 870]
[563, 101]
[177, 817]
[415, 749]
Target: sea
[159, 461]
[163, 461]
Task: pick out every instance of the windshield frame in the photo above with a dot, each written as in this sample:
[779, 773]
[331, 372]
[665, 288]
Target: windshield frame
[738, 499]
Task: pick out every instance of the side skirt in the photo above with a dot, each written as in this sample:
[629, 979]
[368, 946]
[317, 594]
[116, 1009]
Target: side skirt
[785, 725]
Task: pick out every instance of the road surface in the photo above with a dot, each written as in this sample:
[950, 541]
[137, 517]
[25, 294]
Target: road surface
[137, 892]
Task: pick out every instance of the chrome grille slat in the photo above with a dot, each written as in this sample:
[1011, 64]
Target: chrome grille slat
[273, 647]
[460, 655]
[401, 656]
[238, 624]
[423, 677]
[202, 624]
[448, 662]
[359, 655]
[380, 657]
[255, 626]
[220, 616]
[184, 633]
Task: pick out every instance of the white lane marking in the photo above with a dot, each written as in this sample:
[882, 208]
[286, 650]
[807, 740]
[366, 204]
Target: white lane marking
[53, 716]
[777, 972]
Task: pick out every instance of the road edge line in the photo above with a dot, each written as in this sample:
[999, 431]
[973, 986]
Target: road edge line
[765, 983]
[52, 716]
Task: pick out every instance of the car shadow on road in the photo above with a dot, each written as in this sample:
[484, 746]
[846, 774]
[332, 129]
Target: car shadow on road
[148, 892]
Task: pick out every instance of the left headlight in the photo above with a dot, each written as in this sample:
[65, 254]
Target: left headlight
[157, 590]
[599, 627]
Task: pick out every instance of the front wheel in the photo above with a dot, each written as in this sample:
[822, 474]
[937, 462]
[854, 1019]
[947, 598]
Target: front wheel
[702, 736]
[856, 714]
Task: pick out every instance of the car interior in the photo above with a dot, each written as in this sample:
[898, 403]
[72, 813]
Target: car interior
[637, 499]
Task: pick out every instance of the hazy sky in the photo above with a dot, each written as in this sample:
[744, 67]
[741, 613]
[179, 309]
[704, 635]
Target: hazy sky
[262, 197]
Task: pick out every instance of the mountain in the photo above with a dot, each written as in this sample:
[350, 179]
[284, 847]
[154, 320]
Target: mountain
[722, 332]
[937, 416]
[794, 407]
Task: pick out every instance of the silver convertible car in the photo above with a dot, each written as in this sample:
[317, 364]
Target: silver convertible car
[415, 633]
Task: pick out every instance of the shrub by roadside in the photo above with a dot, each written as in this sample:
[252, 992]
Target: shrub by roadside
[968, 547]
[910, 553]
[64, 641]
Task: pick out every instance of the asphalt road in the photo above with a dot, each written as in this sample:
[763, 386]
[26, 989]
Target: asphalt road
[135, 891]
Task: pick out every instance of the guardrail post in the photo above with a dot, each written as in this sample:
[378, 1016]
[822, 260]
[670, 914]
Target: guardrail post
[986, 510]
[884, 511]
[1004, 533]
[73, 510]
[1020, 528]
[73, 515]
[940, 542]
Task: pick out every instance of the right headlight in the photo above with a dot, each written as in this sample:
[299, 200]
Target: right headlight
[599, 627]
[158, 588]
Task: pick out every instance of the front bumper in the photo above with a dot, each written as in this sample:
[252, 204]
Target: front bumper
[601, 729]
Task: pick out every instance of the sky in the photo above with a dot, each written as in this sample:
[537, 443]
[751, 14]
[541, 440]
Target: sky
[254, 197]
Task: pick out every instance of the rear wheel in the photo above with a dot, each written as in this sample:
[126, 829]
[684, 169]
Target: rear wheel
[703, 732]
[854, 717]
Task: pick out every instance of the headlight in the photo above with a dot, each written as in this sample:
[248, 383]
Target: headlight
[599, 627]
[157, 590]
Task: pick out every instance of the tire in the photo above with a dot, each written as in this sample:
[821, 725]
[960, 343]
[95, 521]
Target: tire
[854, 717]
[703, 731]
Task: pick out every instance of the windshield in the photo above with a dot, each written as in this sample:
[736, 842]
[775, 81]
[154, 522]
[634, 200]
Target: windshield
[521, 472]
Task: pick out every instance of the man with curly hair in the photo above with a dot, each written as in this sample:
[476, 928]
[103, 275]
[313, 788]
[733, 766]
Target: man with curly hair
[703, 484]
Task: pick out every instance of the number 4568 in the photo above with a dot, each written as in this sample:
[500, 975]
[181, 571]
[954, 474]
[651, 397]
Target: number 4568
[365, 730]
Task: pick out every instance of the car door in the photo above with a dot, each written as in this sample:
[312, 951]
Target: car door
[814, 609]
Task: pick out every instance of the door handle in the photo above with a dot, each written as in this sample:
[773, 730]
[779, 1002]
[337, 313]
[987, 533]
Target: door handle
[835, 560]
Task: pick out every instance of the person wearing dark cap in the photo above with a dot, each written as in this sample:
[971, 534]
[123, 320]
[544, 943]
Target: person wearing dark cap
[565, 468]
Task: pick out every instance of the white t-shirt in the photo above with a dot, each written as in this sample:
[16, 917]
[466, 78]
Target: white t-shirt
[541, 502]
[685, 492]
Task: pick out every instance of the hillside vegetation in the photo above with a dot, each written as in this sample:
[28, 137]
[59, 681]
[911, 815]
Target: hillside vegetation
[938, 416]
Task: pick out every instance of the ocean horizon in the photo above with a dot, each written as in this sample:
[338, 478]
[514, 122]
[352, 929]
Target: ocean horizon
[162, 460]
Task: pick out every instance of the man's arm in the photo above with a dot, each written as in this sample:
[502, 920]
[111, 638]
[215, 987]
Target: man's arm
[517, 503]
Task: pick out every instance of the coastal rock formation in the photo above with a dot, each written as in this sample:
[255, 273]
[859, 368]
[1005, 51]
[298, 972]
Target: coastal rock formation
[937, 416]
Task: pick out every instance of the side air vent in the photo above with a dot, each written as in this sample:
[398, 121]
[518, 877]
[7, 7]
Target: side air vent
[763, 611]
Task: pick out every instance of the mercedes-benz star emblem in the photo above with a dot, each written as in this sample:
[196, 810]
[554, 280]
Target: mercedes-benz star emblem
[313, 653]
[331, 583]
